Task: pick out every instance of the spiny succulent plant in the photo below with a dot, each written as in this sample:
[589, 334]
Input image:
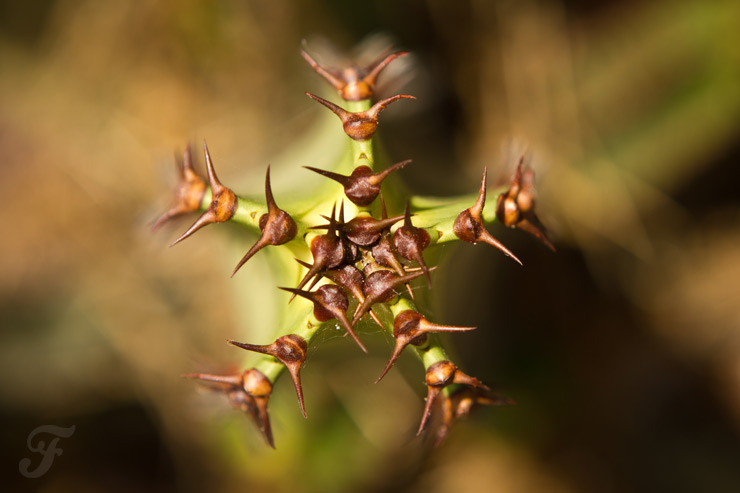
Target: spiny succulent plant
[359, 263]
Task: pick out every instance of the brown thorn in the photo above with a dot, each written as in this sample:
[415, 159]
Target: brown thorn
[375, 318]
[372, 76]
[377, 178]
[216, 185]
[426, 326]
[343, 114]
[331, 175]
[264, 349]
[380, 224]
[269, 199]
[432, 393]
[175, 210]
[326, 74]
[407, 329]
[486, 237]
[291, 351]
[312, 271]
[448, 418]
[477, 208]
[225, 379]
[261, 243]
[355, 289]
[187, 162]
[205, 219]
[410, 241]
[375, 109]
[333, 230]
[464, 379]
[361, 309]
[534, 227]
[407, 216]
[391, 259]
[419, 259]
[189, 191]
[309, 295]
[372, 299]
[262, 419]
[315, 280]
[223, 204]
[397, 350]
[342, 317]
[277, 226]
[407, 277]
[294, 369]
[468, 225]
[420, 244]
[340, 219]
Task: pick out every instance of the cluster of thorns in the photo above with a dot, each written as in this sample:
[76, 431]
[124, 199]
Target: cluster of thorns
[363, 258]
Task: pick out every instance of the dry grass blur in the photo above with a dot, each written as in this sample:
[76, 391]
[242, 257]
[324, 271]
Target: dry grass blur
[623, 350]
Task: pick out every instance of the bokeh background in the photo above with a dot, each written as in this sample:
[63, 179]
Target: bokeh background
[622, 350]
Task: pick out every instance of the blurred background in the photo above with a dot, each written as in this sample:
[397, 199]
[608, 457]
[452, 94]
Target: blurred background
[622, 350]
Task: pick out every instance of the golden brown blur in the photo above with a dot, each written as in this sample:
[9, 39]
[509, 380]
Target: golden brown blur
[622, 350]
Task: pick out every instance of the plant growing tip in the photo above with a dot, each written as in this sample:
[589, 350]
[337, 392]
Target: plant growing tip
[469, 224]
[362, 257]
[277, 226]
[353, 83]
[291, 350]
[328, 252]
[362, 230]
[360, 126]
[223, 204]
[348, 278]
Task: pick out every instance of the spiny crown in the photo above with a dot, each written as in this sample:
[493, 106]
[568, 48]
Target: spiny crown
[357, 263]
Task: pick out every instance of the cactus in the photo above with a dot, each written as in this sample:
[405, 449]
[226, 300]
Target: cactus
[358, 260]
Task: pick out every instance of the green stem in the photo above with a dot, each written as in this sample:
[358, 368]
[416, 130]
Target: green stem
[362, 151]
